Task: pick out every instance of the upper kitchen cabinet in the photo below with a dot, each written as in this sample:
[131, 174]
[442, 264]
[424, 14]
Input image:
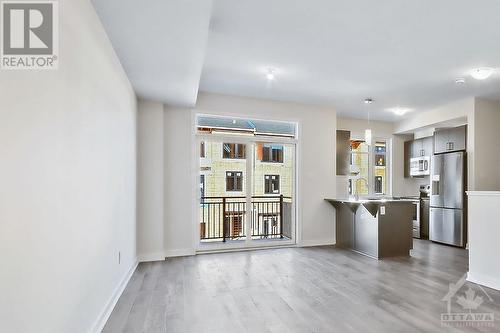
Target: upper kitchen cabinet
[418, 148]
[449, 140]
[343, 153]
[422, 147]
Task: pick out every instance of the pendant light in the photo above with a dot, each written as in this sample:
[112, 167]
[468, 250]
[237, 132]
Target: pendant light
[368, 136]
[368, 131]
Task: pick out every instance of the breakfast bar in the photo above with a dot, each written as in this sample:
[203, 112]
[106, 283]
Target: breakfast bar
[378, 228]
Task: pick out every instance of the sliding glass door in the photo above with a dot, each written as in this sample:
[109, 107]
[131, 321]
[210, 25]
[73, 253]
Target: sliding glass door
[272, 191]
[246, 191]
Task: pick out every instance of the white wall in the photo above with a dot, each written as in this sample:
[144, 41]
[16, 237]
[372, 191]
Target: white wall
[441, 114]
[485, 138]
[67, 175]
[180, 181]
[150, 184]
[316, 169]
[483, 238]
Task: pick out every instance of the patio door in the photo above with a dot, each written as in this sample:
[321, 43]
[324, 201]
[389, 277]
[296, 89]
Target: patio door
[246, 195]
[273, 183]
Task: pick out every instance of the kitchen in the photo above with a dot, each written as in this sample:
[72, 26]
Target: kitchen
[425, 169]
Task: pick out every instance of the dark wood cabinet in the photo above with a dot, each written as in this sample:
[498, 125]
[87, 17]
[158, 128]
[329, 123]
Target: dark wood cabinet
[343, 152]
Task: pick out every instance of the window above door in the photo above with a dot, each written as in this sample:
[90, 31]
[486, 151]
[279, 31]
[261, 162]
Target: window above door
[245, 127]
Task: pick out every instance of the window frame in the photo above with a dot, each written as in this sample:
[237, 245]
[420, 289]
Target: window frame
[270, 154]
[371, 167]
[235, 181]
[271, 182]
[237, 147]
[203, 149]
[251, 141]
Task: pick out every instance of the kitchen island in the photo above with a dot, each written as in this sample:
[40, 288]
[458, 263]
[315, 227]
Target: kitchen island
[378, 228]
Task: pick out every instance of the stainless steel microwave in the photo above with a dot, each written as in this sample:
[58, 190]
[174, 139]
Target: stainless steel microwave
[420, 166]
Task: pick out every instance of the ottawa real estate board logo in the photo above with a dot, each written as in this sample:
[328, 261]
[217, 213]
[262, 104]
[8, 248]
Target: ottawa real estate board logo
[30, 35]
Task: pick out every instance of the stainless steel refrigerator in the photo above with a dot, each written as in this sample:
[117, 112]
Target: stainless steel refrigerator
[447, 203]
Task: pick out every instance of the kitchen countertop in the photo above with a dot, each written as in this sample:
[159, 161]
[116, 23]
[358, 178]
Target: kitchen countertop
[374, 200]
[371, 204]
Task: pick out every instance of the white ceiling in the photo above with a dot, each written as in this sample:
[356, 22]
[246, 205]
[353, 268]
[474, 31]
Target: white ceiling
[160, 43]
[328, 52]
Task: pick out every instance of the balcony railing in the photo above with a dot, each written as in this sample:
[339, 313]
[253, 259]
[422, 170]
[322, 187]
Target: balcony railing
[223, 218]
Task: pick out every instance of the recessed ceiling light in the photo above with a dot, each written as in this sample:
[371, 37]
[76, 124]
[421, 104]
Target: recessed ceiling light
[460, 80]
[270, 74]
[482, 73]
[399, 111]
[368, 101]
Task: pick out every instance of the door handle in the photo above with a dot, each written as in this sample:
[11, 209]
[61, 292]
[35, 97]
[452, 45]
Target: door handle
[451, 146]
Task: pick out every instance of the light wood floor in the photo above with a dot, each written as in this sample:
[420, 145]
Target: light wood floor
[317, 289]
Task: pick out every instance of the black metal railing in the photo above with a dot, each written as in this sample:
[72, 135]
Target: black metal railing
[223, 218]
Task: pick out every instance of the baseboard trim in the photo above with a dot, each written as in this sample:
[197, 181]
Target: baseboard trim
[158, 256]
[317, 242]
[484, 281]
[179, 253]
[106, 312]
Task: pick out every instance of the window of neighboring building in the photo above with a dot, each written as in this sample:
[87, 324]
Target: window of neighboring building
[233, 150]
[202, 187]
[378, 185]
[271, 184]
[234, 181]
[202, 149]
[272, 153]
[380, 168]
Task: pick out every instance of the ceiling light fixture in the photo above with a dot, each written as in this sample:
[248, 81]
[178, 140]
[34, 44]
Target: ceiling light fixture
[270, 74]
[482, 73]
[460, 80]
[368, 131]
[399, 111]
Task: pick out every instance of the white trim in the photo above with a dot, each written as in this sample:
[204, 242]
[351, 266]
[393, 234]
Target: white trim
[489, 282]
[246, 248]
[242, 244]
[179, 253]
[483, 193]
[250, 141]
[317, 242]
[106, 312]
[157, 256]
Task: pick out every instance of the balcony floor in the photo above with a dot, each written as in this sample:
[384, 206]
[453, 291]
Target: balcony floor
[316, 289]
